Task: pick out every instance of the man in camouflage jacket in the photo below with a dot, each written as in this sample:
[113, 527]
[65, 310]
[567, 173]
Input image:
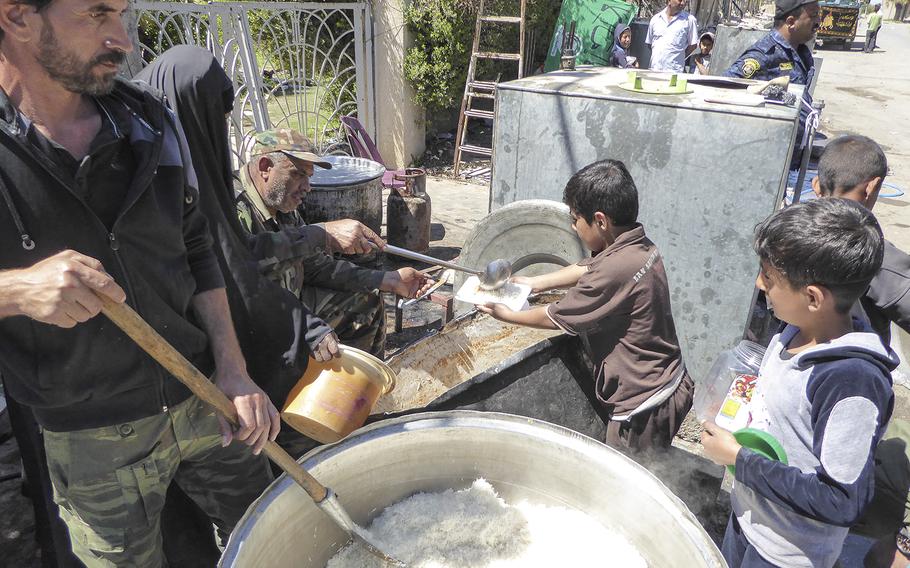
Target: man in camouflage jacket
[270, 188]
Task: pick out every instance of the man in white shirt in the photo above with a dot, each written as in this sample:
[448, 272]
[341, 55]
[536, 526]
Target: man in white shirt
[672, 36]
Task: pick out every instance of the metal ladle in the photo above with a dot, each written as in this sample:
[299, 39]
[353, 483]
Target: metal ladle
[493, 277]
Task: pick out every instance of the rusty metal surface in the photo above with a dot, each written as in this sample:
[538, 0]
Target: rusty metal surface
[352, 189]
[408, 221]
[465, 348]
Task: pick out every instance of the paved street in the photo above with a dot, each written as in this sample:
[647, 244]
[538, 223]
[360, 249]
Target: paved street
[869, 94]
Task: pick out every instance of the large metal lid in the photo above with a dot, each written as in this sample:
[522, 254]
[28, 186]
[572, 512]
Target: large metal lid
[604, 83]
[347, 170]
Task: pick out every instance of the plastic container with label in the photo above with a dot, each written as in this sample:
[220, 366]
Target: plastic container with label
[725, 393]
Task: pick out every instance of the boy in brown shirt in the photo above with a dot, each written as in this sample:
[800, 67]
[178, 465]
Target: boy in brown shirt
[618, 303]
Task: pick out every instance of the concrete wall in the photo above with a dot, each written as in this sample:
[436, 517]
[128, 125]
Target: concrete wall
[400, 124]
[895, 10]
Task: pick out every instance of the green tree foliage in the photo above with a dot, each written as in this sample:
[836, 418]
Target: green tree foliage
[437, 62]
[443, 31]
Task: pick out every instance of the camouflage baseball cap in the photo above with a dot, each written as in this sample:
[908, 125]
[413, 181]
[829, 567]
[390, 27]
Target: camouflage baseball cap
[289, 142]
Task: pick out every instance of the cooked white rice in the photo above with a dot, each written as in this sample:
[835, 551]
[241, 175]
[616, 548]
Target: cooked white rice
[474, 527]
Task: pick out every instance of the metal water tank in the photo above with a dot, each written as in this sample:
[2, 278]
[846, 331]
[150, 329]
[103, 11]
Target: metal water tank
[729, 43]
[706, 173]
[352, 189]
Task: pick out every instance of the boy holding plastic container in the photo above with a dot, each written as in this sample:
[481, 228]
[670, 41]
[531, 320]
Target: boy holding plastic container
[823, 391]
[854, 167]
[618, 303]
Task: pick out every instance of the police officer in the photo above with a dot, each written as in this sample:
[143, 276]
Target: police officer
[784, 50]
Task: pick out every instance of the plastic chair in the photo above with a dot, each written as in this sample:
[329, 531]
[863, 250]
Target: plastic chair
[363, 147]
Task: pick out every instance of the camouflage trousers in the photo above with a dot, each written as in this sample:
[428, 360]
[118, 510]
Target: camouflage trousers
[110, 482]
[357, 317]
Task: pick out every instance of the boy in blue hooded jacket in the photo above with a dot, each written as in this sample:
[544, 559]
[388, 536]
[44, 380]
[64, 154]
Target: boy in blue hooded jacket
[823, 390]
[622, 39]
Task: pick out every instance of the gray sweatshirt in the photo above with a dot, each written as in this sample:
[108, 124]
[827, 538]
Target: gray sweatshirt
[828, 406]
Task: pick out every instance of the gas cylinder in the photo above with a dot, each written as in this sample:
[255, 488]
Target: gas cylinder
[408, 213]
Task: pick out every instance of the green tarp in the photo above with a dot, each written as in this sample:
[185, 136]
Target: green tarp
[595, 21]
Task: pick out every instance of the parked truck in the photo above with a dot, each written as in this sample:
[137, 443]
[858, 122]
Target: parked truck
[839, 19]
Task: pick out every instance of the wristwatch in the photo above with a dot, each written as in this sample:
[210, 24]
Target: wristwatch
[902, 540]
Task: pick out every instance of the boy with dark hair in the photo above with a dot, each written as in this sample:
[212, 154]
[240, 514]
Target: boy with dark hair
[854, 167]
[618, 303]
[823, 390]
[700, 63]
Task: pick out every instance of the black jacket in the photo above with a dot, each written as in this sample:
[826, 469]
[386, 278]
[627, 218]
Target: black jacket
[276, 331]
[888, 297]
[158, 250]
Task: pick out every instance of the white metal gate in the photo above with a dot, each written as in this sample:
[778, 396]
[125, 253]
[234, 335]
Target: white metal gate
[301, 65]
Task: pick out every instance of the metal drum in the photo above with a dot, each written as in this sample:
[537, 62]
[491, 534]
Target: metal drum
[522, 458]
[352, 189]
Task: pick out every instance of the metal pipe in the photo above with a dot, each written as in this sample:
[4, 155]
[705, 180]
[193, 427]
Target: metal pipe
[405, 253]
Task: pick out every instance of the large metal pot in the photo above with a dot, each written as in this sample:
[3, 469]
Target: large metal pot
[522, 458]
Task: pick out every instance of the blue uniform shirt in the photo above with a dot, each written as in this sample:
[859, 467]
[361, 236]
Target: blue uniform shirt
[772, 56]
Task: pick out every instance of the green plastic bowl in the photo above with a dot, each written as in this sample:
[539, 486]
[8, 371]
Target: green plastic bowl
[761, 443]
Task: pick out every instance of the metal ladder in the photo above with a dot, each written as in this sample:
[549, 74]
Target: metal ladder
[474, 89]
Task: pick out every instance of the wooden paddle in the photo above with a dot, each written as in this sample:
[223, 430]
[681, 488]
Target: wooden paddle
[165, 354]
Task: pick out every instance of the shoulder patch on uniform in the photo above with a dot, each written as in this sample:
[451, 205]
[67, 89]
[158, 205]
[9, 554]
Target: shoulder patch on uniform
[245, 215]
[786, 66]
[750, 67]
